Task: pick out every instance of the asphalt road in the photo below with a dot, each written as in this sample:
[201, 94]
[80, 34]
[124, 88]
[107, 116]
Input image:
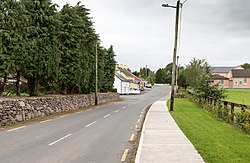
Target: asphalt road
[98, 135]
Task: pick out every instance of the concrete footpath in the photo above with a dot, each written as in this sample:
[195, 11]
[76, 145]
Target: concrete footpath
[162, 141]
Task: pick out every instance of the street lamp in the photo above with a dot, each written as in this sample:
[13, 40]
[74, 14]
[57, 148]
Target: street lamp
[177, 7]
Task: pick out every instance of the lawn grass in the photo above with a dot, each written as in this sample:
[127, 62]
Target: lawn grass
[241, 96]
[216, 141]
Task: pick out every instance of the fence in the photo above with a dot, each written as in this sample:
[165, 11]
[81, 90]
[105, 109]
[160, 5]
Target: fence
[226, 110]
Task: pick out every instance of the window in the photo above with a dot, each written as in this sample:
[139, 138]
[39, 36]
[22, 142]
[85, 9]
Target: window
[222, 82]
[240, 82]
[236, 81]
[245, 81]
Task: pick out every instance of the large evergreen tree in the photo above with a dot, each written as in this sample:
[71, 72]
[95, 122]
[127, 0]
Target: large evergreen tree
[54, 51]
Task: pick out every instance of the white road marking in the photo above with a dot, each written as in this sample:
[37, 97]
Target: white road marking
[124, 107]
[129, 105]
[107, 115]
[117, 111]
[140, 116]
[142, 112]
[134, 103]
[136, 126]
[124, 156]
[14, 129]
[60, 139]
[138, 121]
[64, 115]
[45, 121]
[89, 109]
[91, 124]
[132, 137]
[78, 112]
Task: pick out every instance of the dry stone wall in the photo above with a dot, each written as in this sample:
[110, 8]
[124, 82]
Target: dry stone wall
[13, 110]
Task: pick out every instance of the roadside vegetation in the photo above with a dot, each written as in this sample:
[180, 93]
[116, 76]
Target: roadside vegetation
[215, 140]
[47, 51]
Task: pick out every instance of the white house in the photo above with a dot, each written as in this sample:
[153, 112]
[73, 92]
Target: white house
[121, 84]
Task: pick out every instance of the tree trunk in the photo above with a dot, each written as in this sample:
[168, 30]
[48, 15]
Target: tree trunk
[2, 86]
[33, 84]
[18, 84]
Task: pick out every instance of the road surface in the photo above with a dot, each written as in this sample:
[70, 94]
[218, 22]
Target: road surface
[98, 135]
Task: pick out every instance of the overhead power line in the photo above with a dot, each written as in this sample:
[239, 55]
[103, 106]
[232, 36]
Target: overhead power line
[184, 2]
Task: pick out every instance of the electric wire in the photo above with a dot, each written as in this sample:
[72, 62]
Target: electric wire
[184, 2]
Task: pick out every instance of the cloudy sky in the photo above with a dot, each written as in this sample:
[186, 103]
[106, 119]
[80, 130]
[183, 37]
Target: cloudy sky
[142, 32]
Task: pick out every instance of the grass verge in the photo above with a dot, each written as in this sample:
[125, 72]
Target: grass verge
[241, 96]
[216, 141]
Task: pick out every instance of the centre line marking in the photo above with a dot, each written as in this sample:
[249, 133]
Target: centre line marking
[107, 115]
[132, 137]
[117, 111]
[45, 121]
[60, 139]
[140, 116]
[15, 128]
[138, 121]
[124, 156]
[91, 124]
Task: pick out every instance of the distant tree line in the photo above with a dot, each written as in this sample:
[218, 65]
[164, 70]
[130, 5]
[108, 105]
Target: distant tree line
[197, 76]
[53, 51]
[146, 74]
[246, 65]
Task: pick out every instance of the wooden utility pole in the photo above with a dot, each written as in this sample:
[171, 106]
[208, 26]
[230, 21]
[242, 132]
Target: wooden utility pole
[174, 55]
[96, 75]
[177, 73]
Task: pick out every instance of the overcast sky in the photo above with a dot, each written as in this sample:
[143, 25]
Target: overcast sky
[142, 32]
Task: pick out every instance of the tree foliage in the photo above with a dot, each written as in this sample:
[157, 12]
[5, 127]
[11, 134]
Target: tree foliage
[199, 76]
[54, 51]
[164, 75]
[246, 66]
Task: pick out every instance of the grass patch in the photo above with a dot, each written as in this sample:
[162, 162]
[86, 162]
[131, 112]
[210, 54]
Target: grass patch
[216, 141]
[241, 96]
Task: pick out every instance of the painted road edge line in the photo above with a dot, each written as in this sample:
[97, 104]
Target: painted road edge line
[91, 124]
[60, 139]
[124, 156]
[107, 115]
[138, 121]
[14, 129]
[64, 115]
[45, 121]
[117, 111]
[132, 137]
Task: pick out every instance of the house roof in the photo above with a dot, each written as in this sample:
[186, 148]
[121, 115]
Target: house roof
[128, 74]
[121, 77]
[219, 77]
[237, 73]
[221, 69]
